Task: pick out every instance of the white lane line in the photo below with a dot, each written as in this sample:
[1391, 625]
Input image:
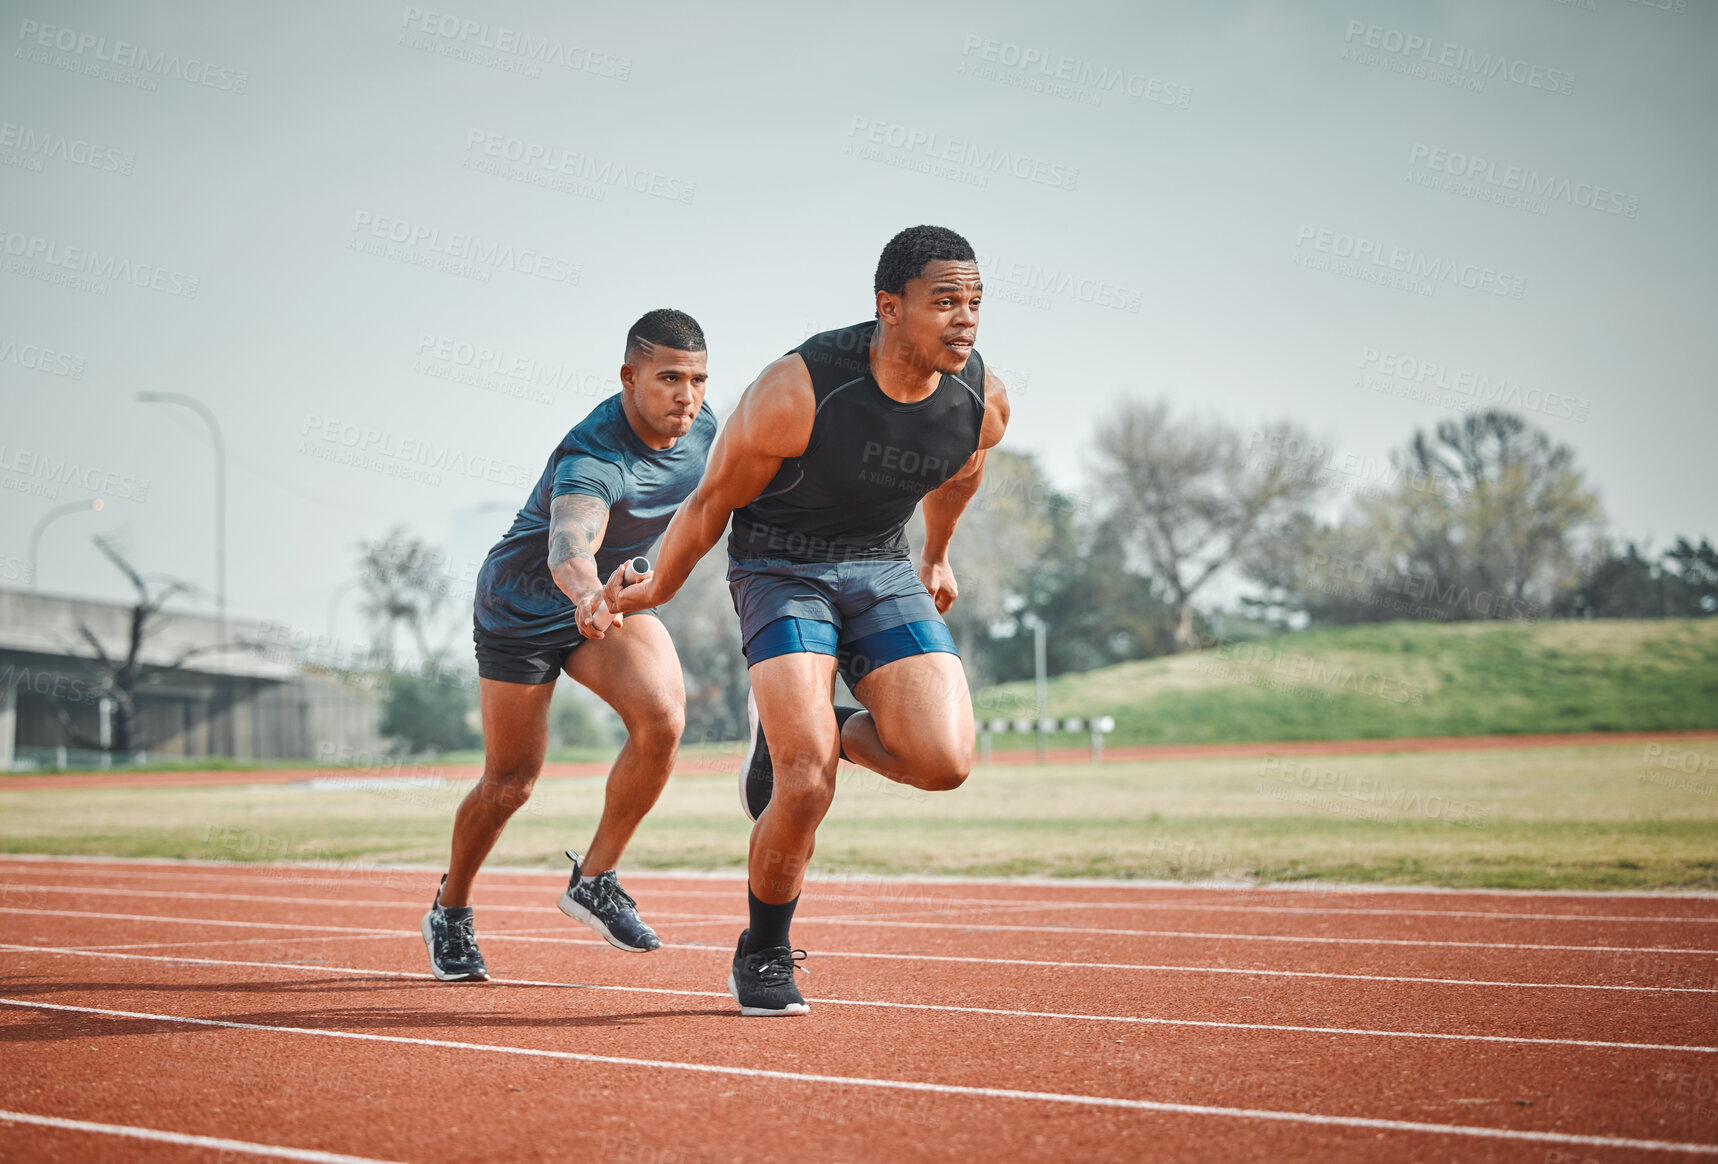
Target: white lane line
[690, 920]
[280, 941]
[184, 1139]
[196, 921]
[952, 926]
[1220, 970]
[991, 905]
[969, 959]
[199, 895]
[999, 1012]
[909, 1085]
[892, 891]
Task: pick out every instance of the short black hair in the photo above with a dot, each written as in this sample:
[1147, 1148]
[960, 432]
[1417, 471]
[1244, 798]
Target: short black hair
[665, 328]
[908, 252]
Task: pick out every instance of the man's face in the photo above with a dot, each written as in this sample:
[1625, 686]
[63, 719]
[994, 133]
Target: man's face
[667, 387]
[936, 316]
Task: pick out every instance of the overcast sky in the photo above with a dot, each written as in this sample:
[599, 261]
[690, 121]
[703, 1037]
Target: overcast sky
[395, 247]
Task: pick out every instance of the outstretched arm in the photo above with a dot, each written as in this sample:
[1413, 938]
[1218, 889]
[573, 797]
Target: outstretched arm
[771, 423]
[577, 523]
[944, 505]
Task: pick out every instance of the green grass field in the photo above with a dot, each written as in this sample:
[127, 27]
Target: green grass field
[1610, 817]
[1400, 679]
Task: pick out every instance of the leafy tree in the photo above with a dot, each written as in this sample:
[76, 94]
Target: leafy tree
[1000, 546]
[1696, 567]
[1681, 582]
[427, 713]
[1486, 517]
[575, 723]
[1095, 611]
[1489, 504]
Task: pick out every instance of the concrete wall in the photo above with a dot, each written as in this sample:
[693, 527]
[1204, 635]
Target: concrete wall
[245, 703]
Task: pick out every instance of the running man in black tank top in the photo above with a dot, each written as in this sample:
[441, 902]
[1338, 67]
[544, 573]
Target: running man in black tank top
[820, 467]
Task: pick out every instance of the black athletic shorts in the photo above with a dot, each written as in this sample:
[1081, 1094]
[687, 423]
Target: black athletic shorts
[533, 661]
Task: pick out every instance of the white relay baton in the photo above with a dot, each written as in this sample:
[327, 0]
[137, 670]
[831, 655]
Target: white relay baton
[636, 569]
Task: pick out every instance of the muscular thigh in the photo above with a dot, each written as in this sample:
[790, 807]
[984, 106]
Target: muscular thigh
[793, 695]
[634, 670]
[515, 726]
[920, 703]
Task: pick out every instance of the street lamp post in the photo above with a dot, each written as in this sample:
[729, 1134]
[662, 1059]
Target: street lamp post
[57, 511]
[202, 410]
[1041, 683]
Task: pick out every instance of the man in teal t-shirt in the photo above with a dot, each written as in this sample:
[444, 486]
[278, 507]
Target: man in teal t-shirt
[605, 496]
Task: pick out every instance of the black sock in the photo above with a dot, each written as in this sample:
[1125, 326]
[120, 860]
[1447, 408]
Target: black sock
[842, 715]
[769, 923]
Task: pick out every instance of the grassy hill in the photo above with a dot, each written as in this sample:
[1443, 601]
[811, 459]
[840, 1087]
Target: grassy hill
[1399, 679]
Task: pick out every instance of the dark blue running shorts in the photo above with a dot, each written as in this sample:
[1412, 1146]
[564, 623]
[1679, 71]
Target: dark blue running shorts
[865, 613]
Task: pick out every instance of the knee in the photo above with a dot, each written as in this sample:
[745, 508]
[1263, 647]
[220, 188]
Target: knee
[507, 789]
[942, 768]
[658, 725]
[804, 787]
[946, 773]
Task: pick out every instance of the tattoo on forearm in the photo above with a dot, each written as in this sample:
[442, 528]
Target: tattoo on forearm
[577, 524]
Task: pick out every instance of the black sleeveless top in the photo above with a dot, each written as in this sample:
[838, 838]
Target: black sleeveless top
[869, 460]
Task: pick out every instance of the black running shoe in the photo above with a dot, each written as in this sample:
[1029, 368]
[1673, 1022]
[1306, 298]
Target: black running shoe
[451, 939]
[762, 983]
[757, 774]
[608, 909]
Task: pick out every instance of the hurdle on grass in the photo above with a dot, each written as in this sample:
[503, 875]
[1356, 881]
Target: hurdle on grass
[1099, 727]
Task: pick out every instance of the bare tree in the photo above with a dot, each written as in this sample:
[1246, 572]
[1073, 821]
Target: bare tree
[1189, 498]
[404, 583]
[118, 672]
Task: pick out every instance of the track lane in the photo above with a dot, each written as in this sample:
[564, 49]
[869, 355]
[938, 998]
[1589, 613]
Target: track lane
[1542, 1096]
[1245, 1066]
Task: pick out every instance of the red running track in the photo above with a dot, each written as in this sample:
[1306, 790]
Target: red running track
[168, 1011]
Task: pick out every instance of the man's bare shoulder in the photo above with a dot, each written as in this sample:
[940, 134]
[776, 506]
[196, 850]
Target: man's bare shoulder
[777, 411]
[996, 410]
